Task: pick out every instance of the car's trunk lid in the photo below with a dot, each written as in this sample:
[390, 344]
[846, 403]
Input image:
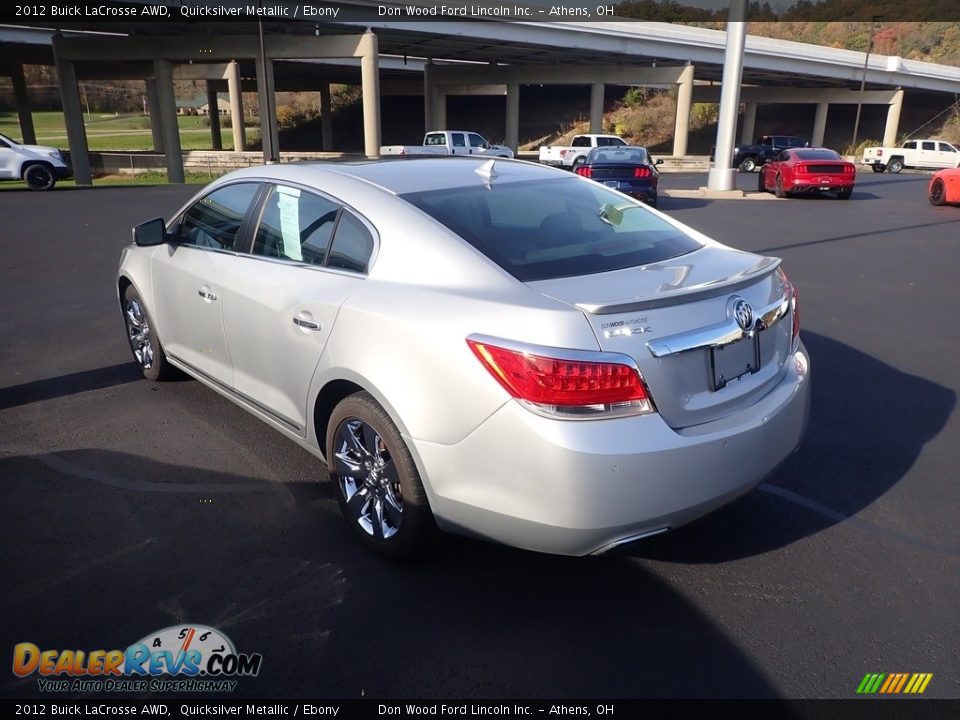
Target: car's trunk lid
[677, 319]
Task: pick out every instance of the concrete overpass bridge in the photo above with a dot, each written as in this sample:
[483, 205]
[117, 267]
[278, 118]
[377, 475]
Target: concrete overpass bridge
[440, 59]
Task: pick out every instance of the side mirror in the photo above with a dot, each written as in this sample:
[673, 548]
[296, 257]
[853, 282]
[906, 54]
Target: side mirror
[150, 233]
[659, 161]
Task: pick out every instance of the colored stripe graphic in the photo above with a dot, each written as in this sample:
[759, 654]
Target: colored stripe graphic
[894, 683]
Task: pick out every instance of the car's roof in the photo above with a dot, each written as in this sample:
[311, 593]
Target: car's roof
[407, 175]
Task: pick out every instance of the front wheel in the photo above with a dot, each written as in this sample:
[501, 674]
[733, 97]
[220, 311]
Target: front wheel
[761, 184]
[144, 343]
[39, 177]
[938, 193]
[378, 486]
[895, 166]
[778, 188]
[748, 165]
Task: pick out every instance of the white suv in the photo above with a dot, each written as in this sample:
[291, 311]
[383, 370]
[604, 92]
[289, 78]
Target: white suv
[39, 166]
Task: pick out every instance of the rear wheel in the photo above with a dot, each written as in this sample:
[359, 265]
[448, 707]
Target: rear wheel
[577, 163]
[895, 165]
[778, 188]
[844, 194]
[878, 168]
[938, 193]
[144, 343]
[378, 486]
[39, 176]
[748, 164]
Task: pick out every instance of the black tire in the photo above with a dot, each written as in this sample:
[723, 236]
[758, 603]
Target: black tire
[39, 176]
[844, 194]
[895, 165]
[153, 363]
[778, 188]
[761, 185]
[878, 168]
[938, 192]
[387, 510]
[748, 165]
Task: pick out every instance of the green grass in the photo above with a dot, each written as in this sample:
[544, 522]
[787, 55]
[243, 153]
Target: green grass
[116, 133]
[142, 180]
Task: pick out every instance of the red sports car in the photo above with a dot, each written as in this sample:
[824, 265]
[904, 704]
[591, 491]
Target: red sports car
[808, 170]
[944, 188]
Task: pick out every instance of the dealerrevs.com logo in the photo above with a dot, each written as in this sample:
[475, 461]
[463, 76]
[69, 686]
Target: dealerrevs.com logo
[180, 658]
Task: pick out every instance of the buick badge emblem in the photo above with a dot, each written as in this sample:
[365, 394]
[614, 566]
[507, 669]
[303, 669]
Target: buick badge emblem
[743, 314]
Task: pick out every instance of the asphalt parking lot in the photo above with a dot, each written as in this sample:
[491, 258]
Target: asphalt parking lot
[126, 507]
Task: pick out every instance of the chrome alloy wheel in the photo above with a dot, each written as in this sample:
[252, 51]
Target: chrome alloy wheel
[368, 479]
[138, 331]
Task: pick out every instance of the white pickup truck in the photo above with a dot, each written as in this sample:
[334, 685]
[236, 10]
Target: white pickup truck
[573, 155]
[913, 154]
[37, 165]
[450, 142]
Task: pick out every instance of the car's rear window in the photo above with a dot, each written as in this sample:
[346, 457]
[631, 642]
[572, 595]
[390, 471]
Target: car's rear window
[545, 229]
[816, 155]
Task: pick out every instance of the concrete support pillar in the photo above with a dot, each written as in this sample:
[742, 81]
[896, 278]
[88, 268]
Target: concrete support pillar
[234, 90]
[269, 133]
[440, 111]
[153, 108]
[819, 124]
[749, 124]
[429, 97]
[370, 79]
[596, 108]
[513, 116]
[72, 115]
[326, 118]
[167, 102]
[681, 127]
[213, 110]
[27, 132]
[893, 120]
[722, 176]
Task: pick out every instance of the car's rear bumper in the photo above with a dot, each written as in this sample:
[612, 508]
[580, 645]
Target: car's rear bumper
[580, 487]
[832, 183]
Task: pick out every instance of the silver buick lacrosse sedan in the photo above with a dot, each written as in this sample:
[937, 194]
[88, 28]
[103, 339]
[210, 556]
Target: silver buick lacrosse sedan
[487, 347]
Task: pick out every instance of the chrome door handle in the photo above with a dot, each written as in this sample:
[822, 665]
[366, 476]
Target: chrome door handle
[306, 324]
[206, 294]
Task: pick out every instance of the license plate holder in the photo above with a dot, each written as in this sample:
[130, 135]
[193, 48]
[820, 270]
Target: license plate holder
[729, 363]
[615, 184]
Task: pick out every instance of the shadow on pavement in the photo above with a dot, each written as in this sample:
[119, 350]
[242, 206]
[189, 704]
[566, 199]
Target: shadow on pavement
[868, 424]
[277, 570]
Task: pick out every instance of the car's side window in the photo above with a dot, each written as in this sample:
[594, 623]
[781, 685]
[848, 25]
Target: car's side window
[476, 141]
[929, 146]
[457, 140]
[580, 141]
[912, 145]
[215, 220]
[352, 245]
[295, 225]
[3, 144]
[946, 147]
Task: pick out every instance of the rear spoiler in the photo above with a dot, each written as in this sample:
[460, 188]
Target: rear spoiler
[665, 296]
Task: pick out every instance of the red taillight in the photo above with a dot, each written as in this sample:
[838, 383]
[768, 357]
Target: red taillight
[641, 172]
[801, 170]
[880, 152]
[584, 172]
[849, 169]
[563, 386]
[790, 290]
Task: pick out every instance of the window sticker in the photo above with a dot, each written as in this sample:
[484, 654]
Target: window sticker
[288, 202]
